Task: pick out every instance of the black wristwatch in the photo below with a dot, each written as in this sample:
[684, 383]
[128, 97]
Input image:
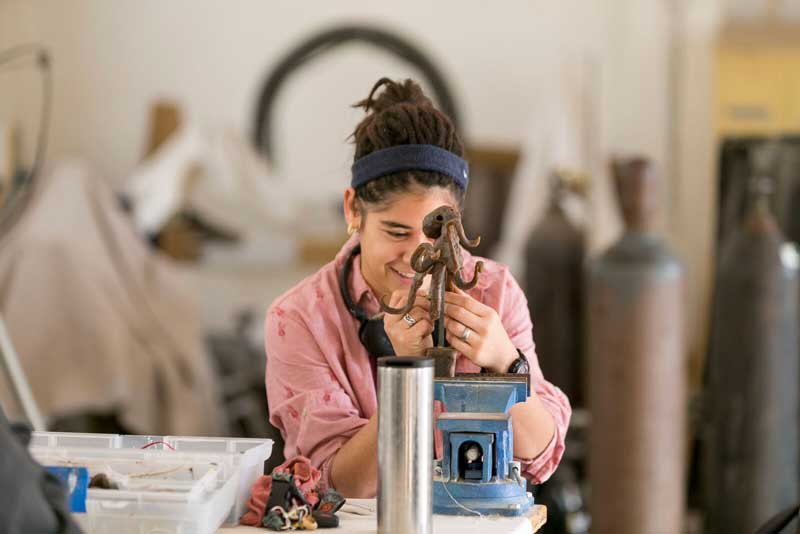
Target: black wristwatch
[520, 365]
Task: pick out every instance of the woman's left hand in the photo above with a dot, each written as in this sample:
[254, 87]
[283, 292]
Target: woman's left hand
[476, 331]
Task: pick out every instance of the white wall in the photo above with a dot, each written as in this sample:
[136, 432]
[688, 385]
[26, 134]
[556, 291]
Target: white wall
[113, 58]
[695, 191]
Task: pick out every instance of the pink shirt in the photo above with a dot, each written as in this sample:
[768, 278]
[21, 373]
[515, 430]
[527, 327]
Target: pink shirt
[319, 378]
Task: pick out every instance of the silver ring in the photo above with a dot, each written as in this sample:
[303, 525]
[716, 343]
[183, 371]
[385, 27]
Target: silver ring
[466, 334]
[410, 320]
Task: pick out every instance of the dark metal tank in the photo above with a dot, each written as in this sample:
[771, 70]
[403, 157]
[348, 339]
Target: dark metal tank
[752, 447]
[554, 256]
[637, 370]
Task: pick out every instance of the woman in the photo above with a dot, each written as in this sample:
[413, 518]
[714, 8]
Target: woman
[320, 373]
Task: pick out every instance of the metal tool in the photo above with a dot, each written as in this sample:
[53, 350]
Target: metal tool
[405, 445]
[477, 473]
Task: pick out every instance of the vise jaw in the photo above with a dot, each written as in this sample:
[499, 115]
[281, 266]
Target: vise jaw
[477, 471]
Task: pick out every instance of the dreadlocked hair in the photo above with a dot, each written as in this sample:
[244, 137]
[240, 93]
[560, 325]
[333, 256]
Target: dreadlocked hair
[401, 114]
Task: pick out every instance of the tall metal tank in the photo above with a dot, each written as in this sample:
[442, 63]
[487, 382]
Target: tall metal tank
[752, 446]
[554, 286]
[637, 371]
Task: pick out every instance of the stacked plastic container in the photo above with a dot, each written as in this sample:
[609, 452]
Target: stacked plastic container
[174, 484]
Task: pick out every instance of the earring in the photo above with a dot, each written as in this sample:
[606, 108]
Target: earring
[351, 229]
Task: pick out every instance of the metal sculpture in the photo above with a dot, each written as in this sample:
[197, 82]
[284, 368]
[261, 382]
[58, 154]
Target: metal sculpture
[443, 261]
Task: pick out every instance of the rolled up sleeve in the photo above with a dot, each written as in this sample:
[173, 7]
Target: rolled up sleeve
[539, 469]
[306, 401]
[517, 322]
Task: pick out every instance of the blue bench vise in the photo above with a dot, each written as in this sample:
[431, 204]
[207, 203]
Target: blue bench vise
[477, 472]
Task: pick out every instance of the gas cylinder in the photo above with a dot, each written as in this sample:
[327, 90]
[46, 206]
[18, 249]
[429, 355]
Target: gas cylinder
[752, 439]
[637, 371]
[554, 256]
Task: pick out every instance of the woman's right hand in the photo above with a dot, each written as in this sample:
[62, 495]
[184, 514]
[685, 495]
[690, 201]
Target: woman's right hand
[407, 339]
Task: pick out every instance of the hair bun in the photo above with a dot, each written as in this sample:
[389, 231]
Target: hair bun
[405, 92]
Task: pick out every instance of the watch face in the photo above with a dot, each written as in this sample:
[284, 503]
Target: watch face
[520, 366]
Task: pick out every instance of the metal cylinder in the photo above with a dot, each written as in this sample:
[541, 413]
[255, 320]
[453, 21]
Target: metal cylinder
[638, 383]
[554, 261]
[752, 450]
[405, 445]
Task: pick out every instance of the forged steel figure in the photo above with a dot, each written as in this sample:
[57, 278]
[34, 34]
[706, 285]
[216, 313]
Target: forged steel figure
[442, 260]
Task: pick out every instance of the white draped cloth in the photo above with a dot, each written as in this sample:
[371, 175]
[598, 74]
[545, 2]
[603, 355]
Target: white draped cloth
[215, 173]
[220, 177]
[100, 322]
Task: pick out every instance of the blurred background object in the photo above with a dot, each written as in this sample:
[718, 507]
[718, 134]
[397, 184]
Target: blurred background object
[753, 368]
[555, 253]
[108, 335]
[554, 262]
[17, 187]
[637, 380]
[491, 175]
[9, 141]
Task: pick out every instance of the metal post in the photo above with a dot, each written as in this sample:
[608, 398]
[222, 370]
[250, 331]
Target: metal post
[19, 384]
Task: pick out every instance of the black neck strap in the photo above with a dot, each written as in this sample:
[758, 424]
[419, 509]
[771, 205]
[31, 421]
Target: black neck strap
[344, 274]
[370, 331]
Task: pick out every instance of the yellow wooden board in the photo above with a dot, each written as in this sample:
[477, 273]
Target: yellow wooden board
[538, 516]
[757, 89]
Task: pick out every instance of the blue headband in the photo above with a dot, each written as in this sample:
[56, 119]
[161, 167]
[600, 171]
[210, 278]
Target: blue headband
[410, 158]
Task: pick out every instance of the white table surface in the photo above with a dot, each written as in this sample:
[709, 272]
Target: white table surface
[350, 523]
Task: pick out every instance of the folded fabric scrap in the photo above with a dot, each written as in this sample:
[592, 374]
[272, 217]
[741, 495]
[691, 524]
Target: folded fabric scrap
[289, 499]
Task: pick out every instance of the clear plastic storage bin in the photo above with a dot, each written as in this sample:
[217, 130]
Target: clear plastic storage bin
[172, 484]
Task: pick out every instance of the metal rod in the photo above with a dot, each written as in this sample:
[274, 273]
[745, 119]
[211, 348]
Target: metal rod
[405, 445]
[19, 384]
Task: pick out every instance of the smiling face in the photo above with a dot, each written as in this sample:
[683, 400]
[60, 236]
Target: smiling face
[391, 232]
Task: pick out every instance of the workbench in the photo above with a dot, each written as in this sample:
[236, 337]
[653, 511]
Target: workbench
[360, 518]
